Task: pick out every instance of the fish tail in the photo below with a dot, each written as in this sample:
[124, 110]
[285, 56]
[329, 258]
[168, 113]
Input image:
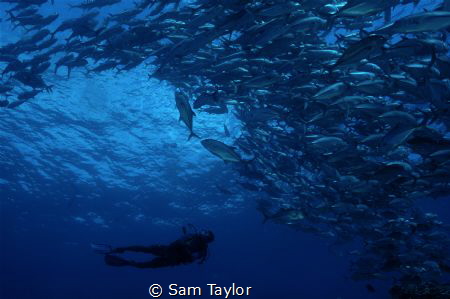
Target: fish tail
[11, 16]
[193, 135]
[266, 217]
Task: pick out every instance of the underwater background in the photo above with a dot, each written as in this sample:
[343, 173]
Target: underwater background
[103, 158]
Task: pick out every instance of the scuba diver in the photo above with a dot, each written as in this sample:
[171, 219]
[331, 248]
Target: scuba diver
[189, 248]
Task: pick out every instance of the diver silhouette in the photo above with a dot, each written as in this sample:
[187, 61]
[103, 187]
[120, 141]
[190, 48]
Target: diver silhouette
[185, 250]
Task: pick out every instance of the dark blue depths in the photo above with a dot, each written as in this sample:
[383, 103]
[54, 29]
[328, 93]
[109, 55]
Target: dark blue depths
[45, 256]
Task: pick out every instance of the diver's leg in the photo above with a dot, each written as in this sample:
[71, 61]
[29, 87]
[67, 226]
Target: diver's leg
[114, 260]
[154, 249]
[158, 262]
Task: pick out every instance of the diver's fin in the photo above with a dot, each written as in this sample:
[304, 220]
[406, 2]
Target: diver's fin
[116, 261]
[101, 248]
